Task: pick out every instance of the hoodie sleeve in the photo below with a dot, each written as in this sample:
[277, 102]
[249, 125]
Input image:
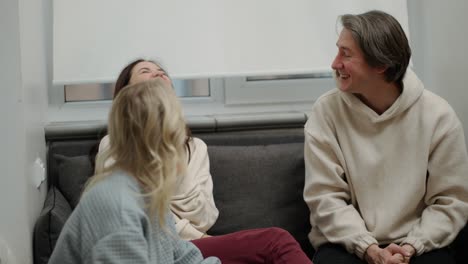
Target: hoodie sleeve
[446, 193]
[327, 192]
[193, 203]
[185, 229]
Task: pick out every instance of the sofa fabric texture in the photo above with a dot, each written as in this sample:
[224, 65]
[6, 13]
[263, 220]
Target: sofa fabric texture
[260, 186]
[74, 172]
[48, 226]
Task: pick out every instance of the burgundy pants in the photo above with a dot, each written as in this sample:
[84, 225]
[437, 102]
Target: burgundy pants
[265, 245]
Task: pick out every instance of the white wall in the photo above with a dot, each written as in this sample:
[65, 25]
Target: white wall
[439, 37]
[23, 86]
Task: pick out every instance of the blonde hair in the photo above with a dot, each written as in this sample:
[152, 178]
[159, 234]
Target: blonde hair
[147, 135]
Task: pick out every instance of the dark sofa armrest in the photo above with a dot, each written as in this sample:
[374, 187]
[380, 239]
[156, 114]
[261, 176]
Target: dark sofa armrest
[460, 245]
[48, 226]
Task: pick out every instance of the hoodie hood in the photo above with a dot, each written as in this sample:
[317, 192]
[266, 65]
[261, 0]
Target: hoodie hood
[412, 91]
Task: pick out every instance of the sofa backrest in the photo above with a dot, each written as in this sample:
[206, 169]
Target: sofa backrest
[258, 178]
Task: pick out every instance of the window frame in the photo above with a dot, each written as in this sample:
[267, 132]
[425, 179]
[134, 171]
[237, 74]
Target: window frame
[241, 91]
[228, 96]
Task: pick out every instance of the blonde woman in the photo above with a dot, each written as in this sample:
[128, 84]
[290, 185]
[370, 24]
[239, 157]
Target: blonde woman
[123, 215]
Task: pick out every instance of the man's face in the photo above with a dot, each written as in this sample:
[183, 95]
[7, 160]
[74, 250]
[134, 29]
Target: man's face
[352, 73]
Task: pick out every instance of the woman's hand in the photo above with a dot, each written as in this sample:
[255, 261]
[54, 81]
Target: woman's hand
[205, 235]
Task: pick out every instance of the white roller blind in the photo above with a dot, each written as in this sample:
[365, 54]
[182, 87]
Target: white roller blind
[94, 39]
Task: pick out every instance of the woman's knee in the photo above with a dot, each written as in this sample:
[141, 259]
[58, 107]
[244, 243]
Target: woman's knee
[280, 234]
[277, 231]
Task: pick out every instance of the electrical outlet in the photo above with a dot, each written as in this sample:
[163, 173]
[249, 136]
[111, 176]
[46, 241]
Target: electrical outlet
[38, 173]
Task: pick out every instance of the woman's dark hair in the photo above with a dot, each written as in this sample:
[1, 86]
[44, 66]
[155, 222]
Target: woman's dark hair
[122, 81]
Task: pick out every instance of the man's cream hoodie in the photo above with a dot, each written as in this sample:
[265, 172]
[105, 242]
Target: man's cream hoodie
[399, 177]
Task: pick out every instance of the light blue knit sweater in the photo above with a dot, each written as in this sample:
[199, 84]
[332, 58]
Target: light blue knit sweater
[110, 225]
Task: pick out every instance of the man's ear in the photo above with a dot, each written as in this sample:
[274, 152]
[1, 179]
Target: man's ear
[381, 69]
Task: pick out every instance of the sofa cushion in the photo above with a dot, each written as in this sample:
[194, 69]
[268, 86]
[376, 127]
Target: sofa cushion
[73, 173]
[260, 186]
[48, 226]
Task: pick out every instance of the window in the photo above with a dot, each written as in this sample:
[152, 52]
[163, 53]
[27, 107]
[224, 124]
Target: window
[200, 39]
[202, 99]
[105, 91]
[277, 89]
[272, 39]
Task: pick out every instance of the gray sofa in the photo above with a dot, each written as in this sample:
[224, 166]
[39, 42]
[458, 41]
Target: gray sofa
[258, 178]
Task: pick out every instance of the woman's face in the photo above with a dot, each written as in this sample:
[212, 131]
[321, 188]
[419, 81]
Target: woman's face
[147, 70]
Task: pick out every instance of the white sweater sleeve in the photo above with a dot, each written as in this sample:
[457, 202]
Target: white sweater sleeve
[327, 192]
[446, 194]
[104, 145]
[193, 203]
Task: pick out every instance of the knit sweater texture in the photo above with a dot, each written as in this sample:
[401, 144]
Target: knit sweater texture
[111, 225]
